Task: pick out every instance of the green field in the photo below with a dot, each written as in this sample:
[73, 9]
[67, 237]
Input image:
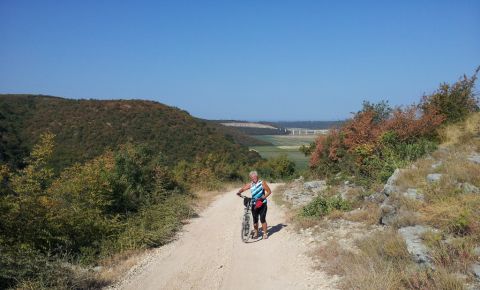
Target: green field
[285, 144]
[287, 140]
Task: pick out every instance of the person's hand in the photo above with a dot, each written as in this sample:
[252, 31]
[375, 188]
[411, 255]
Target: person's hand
[239, 193]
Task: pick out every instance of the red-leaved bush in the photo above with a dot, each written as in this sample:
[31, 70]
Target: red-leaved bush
[362, 131]
[378, 137]
[411, 123]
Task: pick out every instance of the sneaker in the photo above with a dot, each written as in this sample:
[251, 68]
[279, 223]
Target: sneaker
[254, 234]
[265, 236]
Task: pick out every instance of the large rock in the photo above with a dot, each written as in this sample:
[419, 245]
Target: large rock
[434, 177]
[476, 270]
[388, 214]
[300, 193]
[475, 158]
[413, 239]
[390, 187]
[315, 185]
[413, 193]
[468, 188]
[437, 164]
[298, 197]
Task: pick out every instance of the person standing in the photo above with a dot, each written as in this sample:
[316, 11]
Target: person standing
[260, 191]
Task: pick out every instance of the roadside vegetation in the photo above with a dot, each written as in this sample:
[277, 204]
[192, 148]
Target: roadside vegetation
[101, 185]
[433, 149]
[379, 138]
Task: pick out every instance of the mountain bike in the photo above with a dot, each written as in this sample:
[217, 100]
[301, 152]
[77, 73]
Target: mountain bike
[246, 220]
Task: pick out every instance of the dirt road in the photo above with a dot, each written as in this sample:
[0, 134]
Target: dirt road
[209, 254]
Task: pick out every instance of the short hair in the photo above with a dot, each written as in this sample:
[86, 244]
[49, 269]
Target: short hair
[253, 173]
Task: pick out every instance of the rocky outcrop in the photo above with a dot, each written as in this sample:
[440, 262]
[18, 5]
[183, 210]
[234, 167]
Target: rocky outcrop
[315, 186]
[416, 248]
[390, 187]
[300, 193]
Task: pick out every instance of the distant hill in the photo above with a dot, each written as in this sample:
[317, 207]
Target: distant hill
[252, 128]
[238, 135]
[85, 128]
[308, 124]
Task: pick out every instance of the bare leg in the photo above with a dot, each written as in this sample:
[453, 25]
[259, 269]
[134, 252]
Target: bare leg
[255, 233]
[264, 229]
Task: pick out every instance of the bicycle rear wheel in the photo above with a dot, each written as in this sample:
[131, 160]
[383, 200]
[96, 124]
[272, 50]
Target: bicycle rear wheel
[246, 228]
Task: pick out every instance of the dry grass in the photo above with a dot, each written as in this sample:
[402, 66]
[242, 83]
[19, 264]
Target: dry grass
[426, 279]
[459, 133]
[458, 169]
[302, 222]
[330, 258]
[369, 214]
[375, 266]
[415, 177]
[406, 218]
[116, 266]
[456, 255]
[457, 215]
[381, 262]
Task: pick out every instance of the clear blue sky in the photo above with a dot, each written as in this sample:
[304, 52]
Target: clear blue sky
[255, 60]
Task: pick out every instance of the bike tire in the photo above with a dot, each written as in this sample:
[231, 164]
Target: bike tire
[245, 228]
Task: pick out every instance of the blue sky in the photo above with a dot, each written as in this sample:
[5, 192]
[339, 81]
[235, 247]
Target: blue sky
[254, 60]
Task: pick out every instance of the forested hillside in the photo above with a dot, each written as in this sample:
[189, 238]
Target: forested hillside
[85, 128]
[84, 182]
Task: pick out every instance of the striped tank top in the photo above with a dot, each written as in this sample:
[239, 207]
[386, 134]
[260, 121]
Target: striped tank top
[257, 191]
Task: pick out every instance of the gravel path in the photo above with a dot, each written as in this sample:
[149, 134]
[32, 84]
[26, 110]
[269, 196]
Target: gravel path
[209, 254]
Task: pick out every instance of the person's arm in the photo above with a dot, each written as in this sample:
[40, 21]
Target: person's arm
[245, 187]
[267, 189]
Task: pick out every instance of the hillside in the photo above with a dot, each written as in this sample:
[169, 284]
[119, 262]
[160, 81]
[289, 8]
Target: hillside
[85, 128]
[237, 135]
[419, 230]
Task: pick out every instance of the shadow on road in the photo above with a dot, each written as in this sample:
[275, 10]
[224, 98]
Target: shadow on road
[271, 231]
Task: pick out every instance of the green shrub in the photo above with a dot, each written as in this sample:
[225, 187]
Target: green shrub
[321, 206]
[53, 226]
[277, 168]
[153, 226]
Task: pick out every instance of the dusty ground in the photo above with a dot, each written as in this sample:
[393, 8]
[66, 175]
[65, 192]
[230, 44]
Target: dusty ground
[209, 254]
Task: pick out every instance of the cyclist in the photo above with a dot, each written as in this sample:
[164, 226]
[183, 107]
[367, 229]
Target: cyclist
[260, 191]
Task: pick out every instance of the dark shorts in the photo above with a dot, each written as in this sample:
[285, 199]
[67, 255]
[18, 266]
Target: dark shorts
[262, 212]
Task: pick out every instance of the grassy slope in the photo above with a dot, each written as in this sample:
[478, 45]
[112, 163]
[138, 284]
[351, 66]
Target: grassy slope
[381, 261]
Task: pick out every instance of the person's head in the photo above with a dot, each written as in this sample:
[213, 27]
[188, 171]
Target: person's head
[253, 176]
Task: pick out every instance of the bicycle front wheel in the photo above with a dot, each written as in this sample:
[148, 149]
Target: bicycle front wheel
[245, 228]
